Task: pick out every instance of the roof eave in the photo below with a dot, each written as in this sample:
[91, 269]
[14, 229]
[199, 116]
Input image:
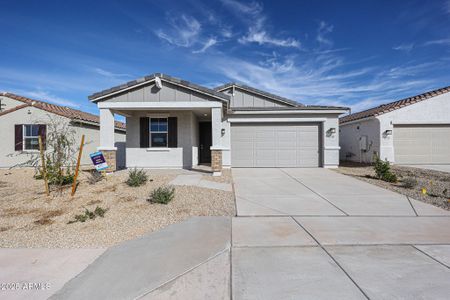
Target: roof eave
[148, 79]
[255, 91]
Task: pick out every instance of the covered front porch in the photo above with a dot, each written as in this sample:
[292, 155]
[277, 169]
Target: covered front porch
[166, 134]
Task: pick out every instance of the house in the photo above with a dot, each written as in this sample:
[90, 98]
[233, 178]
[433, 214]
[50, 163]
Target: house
[23, 120]
[172, 123]
[415, 130]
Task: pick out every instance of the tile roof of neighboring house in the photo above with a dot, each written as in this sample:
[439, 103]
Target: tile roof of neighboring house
[73, 114]
[168, 78]
[385, 108]
[257, 91]
[281, 108]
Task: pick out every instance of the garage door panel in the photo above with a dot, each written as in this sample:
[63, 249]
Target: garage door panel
[275, 145]
[422, 144]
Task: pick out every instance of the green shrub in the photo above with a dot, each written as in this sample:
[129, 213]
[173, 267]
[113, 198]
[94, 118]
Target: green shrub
[162, 195]
[409, 182]
[136, 177]
[383, 170]
[99, 211]
[89, 215]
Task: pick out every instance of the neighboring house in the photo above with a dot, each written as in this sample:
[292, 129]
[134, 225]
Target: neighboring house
[415, 130]
[23, 120]
[172, 123]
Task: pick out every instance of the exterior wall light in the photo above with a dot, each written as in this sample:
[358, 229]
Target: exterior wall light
[388, 132]
[332, 130]
[223, 131]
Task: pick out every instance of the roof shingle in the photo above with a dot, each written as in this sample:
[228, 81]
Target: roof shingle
[73, 114]
[385, 108]
[94, 97]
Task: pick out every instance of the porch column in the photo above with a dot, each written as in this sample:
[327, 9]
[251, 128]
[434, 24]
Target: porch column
[107, 138]
[216, 148]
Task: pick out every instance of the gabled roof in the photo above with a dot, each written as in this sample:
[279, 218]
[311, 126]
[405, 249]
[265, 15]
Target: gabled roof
[257, 91]
[73, 114]
[146, 79]
[385, 108]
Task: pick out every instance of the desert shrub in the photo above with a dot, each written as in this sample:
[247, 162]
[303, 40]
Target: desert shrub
[162, 195]
[409, 182]
[136, 177]
[383, 170]
[99, 211]
[89, 215]
[94, 177]
[60, 153]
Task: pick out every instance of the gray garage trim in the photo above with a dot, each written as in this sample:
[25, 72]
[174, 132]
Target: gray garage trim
[275, 145]
[422, 144]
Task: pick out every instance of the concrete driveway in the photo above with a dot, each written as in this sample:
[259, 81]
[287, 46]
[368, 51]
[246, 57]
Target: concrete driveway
[299, 234]
[317, 234]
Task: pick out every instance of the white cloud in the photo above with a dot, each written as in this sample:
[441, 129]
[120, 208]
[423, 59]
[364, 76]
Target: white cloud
[261, 37]
[209, 43]
[327, 80]
[251, 8]
[184, 31]
[437, 42]
[109, 74]
[404, 47]
[322, 32]
[252, 13]
[48, 97]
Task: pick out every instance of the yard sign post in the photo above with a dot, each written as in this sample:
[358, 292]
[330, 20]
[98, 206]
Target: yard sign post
[74, 184]
[99, 162]
[44, 169]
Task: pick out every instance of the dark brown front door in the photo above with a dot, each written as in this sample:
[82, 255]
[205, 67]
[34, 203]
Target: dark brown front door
[205, 140]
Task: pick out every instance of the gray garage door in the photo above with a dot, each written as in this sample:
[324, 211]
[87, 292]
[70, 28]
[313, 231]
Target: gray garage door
[422, 144]
[275, 145]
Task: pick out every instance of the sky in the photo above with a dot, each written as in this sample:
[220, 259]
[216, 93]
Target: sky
[357, 54]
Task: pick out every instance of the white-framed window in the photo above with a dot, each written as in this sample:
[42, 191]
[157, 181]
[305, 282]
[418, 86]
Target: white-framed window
[30, 137]
[158, 132]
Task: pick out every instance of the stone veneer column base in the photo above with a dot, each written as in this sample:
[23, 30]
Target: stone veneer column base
[216, 162]
[110, 157]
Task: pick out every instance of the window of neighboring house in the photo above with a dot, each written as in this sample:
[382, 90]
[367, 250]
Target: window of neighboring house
[158, 132]
[30, 137]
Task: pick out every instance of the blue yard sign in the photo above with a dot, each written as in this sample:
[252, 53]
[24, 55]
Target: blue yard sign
[99, 161]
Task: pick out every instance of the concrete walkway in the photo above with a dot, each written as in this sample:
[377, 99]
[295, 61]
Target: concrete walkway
[197, 180]
[39, 273]
[317, 234]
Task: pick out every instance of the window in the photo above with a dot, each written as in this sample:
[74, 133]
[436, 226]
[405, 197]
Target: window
[30, 137]
[158, 132]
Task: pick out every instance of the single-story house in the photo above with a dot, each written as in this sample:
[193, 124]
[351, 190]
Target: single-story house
[415, 130]
[23, 120]
[172, 123]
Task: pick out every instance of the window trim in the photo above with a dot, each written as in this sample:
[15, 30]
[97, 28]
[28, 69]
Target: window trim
[24, 132]
[150, 131]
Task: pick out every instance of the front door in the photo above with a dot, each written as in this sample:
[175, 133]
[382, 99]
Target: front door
[205, 140]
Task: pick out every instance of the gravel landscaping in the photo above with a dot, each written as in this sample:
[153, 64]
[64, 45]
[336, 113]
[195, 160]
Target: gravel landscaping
[29, 218]
[436, 183]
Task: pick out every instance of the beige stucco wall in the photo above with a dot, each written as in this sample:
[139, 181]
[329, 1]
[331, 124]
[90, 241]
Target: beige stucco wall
[31, 115]
[184, 156]
[350, 135]
[435, 110]
[8, 103]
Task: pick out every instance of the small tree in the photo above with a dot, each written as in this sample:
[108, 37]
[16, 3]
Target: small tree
[60, 154]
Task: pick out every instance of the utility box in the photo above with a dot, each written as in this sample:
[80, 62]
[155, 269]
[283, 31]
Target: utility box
[363, 143]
